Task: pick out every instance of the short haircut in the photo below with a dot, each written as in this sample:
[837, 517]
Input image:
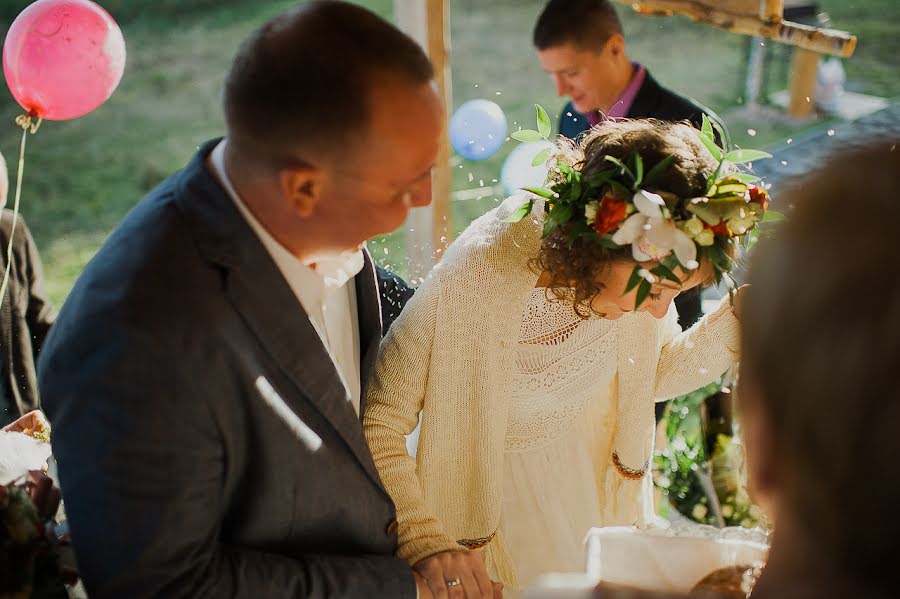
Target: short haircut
[587, 24]
[821, 350]
[303, 79]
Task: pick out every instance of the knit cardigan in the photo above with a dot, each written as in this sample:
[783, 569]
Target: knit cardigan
[451, 357]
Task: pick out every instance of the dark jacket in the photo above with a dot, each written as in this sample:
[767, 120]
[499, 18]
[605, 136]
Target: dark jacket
[163, 378]
[25, 318]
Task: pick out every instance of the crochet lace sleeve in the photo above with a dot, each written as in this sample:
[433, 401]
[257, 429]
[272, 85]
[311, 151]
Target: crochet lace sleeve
[699, 355]
[394, 401]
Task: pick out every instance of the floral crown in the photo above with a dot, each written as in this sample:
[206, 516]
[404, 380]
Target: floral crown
[622, 206]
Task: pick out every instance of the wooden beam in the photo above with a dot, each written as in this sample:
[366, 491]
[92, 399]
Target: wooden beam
[442, 181]
[823, 41]
[426, 22]
[804, 67]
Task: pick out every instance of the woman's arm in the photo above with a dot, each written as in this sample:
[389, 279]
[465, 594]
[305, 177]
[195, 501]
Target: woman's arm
[395, 398]
[699, 355]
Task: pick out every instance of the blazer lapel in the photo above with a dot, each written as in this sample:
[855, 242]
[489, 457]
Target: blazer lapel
[368, 305]
[262, 297]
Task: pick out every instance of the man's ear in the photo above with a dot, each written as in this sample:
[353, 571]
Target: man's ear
[615, 45]
[301, 186]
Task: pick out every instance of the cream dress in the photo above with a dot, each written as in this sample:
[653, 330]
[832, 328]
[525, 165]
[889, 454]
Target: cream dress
[561, 425]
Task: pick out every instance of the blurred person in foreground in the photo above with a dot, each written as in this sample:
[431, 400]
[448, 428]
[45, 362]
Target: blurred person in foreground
[818, 391]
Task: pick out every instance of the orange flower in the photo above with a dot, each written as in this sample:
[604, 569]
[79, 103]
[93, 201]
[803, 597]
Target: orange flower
[759, 196]
[720, 230]
[610, 215]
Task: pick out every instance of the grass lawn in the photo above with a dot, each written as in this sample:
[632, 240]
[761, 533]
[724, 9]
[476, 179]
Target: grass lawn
[83, 176]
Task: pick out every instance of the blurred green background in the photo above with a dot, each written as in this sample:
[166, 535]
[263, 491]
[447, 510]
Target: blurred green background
[82, 176]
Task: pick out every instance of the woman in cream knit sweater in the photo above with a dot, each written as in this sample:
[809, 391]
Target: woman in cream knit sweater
[534, 374]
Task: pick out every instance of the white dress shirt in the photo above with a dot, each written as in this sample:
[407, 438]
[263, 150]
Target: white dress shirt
[326, 290]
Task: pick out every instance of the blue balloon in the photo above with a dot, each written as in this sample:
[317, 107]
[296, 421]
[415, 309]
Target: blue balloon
[517, 171]
[477, 129]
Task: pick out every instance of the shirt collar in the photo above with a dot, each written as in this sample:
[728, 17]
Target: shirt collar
[334, 269]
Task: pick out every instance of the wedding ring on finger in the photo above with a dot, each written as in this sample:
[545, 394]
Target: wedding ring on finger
[455, 582]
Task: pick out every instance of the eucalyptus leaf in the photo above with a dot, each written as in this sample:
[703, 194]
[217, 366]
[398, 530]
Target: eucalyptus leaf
[543, 121]
[520, 213]
[658, 169]
[773, 216]
[715, 150]
[542, 192]
[634, 279]
[642, 293]
[541, 157]
[741, 156]
[526, 135]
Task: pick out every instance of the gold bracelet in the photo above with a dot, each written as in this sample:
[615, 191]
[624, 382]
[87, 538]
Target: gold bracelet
[477, 543]
[626, 472]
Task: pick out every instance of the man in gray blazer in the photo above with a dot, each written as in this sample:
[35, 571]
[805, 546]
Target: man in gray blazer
[206, 375]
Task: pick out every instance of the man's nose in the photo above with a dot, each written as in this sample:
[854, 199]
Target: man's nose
[421, 195]
[560, 85]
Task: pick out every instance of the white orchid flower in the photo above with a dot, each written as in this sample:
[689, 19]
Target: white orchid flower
[652, 232]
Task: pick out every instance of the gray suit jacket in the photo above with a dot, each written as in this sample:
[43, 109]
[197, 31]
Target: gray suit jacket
[179, 479]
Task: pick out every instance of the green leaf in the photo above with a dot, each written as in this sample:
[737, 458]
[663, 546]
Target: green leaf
[599, 179]
[706, 128]
[541, 157]
[523, 211]
[658, 169]
[721, 132]
[745, 177]
[715, 150]
[741, 156]
[543, 121]
[561, 214]
[619, 190]
[526, 135]
[620, 164]
[542, 192]
[642, 293]
[664, 272]
[634, 279]
[606, 241]
[772, 216]
[638, 169]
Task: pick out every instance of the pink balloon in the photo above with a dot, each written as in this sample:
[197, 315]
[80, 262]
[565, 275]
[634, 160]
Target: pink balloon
[63, 58]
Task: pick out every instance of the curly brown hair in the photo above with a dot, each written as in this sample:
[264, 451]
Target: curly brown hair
[575, 268]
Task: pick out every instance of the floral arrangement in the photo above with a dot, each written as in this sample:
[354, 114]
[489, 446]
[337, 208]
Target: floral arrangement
[622, 206]
[704, 482]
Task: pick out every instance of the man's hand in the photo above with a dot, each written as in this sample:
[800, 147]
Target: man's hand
[29, 424]
[465, 568]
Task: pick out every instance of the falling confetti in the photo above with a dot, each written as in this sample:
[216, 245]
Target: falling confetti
[751, 132]
[831, 133]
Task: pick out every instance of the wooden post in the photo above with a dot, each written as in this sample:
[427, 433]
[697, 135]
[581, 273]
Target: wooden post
[426, 22]
[804, 68]
[442, 182]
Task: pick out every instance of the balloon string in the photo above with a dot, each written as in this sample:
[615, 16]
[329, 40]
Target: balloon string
[28, 125]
